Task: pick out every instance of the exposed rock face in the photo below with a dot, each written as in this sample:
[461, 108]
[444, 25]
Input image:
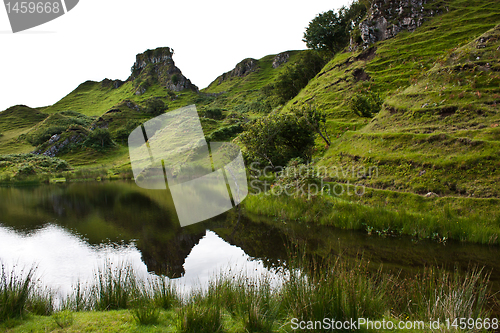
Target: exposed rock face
[133, 106]
[115, 84]
[280, 59]
[242, 69]
[386, 18]
[53, 146]
[158, 66]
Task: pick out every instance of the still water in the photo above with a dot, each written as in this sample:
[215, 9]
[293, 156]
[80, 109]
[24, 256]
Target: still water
[70, 230]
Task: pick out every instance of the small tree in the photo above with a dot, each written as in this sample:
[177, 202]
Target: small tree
[100, 137]
[276, 139]
[315, 120]
[325, 32]
[155, 106]
[295, 77]
[330, 31]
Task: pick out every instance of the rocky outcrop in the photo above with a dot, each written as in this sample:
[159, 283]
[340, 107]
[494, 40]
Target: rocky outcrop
[58, 142]
[157, 66]
[280, 59]
[115, 84]
[386, 18]
[242, 69]
[133, 106]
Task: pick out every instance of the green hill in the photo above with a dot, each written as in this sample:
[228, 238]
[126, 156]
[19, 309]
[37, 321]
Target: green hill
[434, 67]
[438, 128]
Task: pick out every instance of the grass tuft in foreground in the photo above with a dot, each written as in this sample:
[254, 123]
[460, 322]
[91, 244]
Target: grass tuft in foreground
[305, 290]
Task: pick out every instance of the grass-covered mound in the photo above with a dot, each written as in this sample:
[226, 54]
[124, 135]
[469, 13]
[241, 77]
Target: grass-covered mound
[30, 166]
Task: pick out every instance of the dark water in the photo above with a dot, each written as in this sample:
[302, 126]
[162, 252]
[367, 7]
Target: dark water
[69, 230]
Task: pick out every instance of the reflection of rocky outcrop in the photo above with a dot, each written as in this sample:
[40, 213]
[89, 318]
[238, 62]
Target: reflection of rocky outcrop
[258, 240]
[168, 256]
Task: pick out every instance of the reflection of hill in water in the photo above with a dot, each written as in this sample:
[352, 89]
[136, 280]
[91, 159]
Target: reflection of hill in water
[168, 257]
[120, 212]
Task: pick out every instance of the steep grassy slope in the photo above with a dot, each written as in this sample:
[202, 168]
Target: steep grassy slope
[438, 130]
[244, 88]
[15, 121]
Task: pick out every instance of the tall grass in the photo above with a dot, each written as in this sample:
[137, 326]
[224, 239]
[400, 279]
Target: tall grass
[14, 293]
[19, 295]
[164, 293]
[438, 294]
[115, 287]
[342, 289]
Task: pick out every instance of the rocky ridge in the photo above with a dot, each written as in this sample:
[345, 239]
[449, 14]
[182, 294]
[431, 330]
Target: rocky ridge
[158, 66]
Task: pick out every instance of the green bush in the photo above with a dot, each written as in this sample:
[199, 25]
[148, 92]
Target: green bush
[277, 138]
[174, 79]
[330, 31]
[57, 124]
[213, 114]
[225, 133]
[155, 106]
[99, 138]
[366, 104]
[295, 77]
[41, 136]
[26, 169]
[122, 134]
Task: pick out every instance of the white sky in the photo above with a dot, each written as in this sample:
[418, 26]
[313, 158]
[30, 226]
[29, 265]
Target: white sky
[99, 39]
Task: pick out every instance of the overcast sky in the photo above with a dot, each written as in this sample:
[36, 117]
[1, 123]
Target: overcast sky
[99, 39]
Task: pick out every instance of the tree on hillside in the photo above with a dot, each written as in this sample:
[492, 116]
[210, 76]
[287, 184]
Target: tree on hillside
[330, 31]
[313, 119]
[155, 106]
[99, 138]
[276, 139]
[295, 77]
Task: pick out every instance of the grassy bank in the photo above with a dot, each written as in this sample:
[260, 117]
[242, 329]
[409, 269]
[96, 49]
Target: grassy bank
[119, 301]
[388, 213]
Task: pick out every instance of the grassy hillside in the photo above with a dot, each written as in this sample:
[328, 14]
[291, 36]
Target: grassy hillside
[437, 132]
[119, 107]
[438, 128]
